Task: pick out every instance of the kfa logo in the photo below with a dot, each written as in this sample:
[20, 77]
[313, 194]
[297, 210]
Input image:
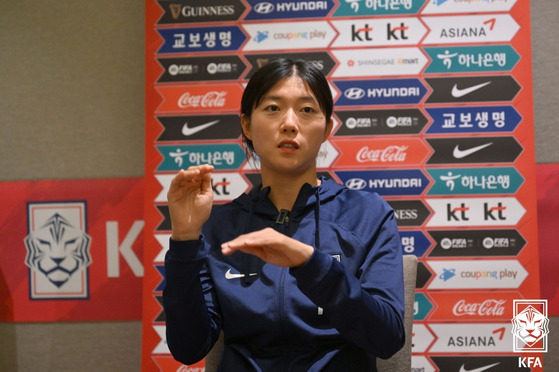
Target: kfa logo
[362, 33]
[396, 32]
[530, 326]
[58, 250]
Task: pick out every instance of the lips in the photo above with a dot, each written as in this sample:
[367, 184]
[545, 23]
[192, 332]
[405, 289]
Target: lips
[288, 145]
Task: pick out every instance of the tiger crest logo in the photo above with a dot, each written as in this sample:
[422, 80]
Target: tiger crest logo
[530, 326]
[57, 251]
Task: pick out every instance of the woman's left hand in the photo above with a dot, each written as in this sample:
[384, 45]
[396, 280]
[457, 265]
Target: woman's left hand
[270, 246]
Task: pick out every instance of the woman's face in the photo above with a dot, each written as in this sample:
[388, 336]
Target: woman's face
[287, 128]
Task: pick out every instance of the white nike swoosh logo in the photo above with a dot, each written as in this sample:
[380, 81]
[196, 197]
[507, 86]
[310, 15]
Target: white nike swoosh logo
[229, 275]
[480, 369]
[457, 93]
[459, 154]
[187, 131]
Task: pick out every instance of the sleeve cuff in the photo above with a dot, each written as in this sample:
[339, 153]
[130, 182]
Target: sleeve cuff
[313, 271]
[187, 250]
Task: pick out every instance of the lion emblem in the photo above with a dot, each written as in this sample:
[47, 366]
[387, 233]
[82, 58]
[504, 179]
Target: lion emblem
[57, 249]
[530, 326]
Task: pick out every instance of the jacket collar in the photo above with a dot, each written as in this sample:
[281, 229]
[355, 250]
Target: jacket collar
[257, 199]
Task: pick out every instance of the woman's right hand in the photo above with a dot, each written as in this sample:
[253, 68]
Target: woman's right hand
[190, 198]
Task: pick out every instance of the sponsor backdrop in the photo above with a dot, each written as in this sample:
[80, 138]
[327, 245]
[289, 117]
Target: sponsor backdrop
[433, 110]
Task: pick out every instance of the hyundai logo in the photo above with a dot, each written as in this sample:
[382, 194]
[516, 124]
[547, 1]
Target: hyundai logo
[354, 93]
[356, 183]
[264, 8]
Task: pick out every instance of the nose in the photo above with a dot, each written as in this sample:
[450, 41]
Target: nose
[290, 122]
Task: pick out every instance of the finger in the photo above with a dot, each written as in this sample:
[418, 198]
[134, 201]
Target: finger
[191, 174]
[229, 248]
[205, 168]
[184, 176]
[206, 183]
[241, 243]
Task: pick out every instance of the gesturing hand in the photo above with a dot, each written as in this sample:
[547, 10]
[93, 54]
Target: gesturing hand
[270, 246]
[190, 198]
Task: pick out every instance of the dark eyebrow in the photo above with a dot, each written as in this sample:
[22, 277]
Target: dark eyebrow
[303, 98]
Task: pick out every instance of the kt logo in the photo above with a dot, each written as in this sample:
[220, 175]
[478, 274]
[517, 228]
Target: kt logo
[361, 34]
[490, 213]
[494, 213]
[220, 188]
[457, 213]
[397, 33]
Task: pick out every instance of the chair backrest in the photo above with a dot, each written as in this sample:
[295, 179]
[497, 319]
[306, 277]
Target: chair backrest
[401, 361]
[214, 356]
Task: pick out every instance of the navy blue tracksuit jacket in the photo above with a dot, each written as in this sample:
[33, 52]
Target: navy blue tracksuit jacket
[338, 312]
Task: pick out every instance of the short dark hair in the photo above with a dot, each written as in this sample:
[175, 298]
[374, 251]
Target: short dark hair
[273, 72]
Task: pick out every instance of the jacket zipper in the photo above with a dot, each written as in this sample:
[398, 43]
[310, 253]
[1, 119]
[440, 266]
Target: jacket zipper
[283, 220]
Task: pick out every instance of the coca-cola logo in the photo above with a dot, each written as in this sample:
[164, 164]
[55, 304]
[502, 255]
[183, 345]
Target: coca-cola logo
[489, 307]
[210, 99]
[391, 154]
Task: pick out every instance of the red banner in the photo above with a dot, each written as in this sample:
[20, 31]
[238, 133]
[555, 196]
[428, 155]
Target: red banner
[71, 250]
[548, 220]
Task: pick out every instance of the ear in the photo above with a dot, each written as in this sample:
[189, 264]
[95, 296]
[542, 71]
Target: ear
[328, 129]
[245, 125]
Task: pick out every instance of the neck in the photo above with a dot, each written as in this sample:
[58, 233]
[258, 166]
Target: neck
[285, 189]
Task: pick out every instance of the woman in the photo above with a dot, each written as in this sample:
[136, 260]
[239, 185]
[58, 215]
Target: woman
[301, 273]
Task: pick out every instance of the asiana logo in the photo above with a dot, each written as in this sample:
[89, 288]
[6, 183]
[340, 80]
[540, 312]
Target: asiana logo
[57, 250]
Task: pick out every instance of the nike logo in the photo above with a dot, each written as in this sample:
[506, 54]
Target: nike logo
[457, 93]
[459, 154]
[229, 275]
[187, 131]
[480, 369]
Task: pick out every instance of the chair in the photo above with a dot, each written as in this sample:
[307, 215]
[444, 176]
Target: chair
[401, 361]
